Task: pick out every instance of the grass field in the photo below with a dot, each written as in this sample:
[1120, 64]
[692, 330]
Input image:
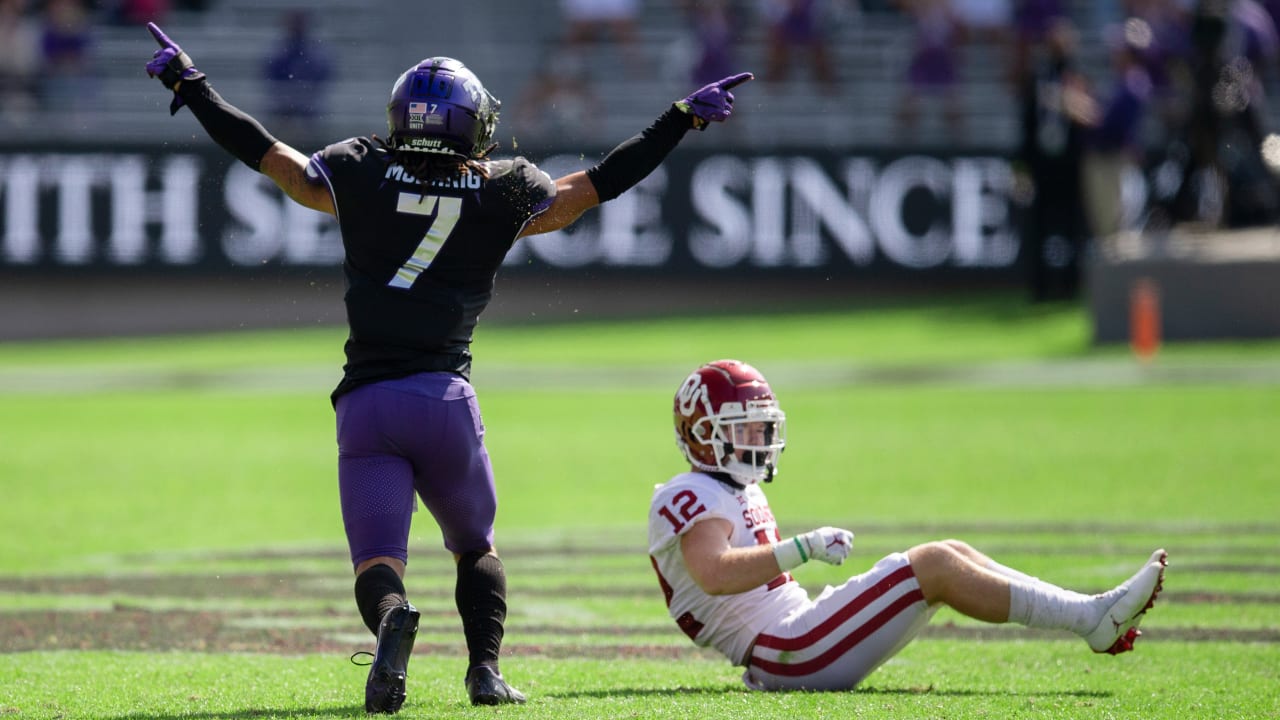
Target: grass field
[172, 546]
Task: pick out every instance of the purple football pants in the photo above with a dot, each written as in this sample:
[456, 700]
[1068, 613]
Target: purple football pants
[420, 434]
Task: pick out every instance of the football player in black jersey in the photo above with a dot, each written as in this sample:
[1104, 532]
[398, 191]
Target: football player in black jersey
[426, 219]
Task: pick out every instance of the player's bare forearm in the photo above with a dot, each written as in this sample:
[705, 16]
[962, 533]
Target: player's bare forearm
[574, 195]
[720, 569]
[288, 169]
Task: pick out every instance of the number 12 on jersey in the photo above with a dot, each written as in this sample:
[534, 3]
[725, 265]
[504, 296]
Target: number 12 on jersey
[687, 505]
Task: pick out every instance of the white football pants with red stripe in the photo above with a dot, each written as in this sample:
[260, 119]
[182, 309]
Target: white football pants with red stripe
[843, 635]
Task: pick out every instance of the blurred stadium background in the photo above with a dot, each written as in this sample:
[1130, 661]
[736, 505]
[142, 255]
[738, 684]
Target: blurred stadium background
[508, 44]
[117, 219]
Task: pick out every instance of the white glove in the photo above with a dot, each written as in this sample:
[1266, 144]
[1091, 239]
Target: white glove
[828, 544]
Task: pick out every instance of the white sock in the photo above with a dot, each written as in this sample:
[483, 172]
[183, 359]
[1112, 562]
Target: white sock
[1043, 605]
[1010, 573]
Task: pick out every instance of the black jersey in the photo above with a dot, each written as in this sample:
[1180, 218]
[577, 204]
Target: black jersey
[420, 261]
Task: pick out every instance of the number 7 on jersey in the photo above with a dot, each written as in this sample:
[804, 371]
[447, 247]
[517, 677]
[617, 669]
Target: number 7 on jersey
[445, 211]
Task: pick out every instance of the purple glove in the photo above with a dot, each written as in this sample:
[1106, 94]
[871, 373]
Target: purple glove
[714, 102]
[170, 64]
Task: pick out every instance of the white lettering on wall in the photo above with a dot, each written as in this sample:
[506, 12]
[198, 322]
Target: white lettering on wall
[269, 227]
[628, 231]
[81, 187]
[254, 237]
[128, 239]
[633, 231]
[982, 229]
[179, 201]
[768, 203]
[73, 175]
[768, 211]
[820, 204]
[772, 212]
[722, 224]
[899, 242]
[21, 240]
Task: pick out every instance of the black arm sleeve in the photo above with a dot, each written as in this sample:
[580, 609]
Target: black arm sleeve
[634, 159]
[230, 127]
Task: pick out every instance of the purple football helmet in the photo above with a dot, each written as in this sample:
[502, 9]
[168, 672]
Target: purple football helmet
[439, 106]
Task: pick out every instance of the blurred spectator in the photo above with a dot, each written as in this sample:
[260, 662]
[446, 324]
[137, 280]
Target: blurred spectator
[1223, 179]
[715, 25]
[989, 25]
[1105, 13]
[558, 103]
[1032, 20]
[797, 26]
[933, 74]
[1252, 51]
[1112, 145]
[1056, 110]
[136, 12]
[18, 57]
[989, 21]
[1164, 50]
[588, 21]
[65, 43]
[298, 75]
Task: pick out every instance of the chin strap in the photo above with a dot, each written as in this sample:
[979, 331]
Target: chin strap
[727, 479]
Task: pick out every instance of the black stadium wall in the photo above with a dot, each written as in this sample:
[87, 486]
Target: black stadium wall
[196, 211]
[176, 238]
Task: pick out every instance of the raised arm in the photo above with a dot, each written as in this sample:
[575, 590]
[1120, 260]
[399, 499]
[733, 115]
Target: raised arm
[634, 159]
[233, 129]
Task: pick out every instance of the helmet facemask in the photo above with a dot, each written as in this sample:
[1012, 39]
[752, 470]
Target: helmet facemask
[728, 420]
[746, 442]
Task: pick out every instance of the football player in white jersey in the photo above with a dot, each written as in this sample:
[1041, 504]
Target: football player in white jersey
[725, 569]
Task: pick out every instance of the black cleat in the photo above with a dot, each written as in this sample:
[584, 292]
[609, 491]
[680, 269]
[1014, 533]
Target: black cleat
[384, 690]
[486, 687]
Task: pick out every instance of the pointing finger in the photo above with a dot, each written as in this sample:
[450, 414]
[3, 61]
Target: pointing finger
[159, 35]
[733, 82]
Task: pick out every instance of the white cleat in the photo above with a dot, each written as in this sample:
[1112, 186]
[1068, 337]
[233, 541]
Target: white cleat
[1118, 629]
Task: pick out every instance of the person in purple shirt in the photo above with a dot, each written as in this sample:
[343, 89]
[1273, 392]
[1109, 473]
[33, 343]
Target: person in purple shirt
[715, 25]
[934, 71]
[65, 46]
[1112, 144]
[1166, 58]
[796, 25]
[1032, 21]
[297, 74]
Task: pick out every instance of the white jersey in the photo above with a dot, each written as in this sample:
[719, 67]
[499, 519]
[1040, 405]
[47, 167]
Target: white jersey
[729, 623]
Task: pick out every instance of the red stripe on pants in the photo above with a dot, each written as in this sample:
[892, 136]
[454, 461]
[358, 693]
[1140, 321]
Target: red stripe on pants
[840, 648]
[865, 598]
